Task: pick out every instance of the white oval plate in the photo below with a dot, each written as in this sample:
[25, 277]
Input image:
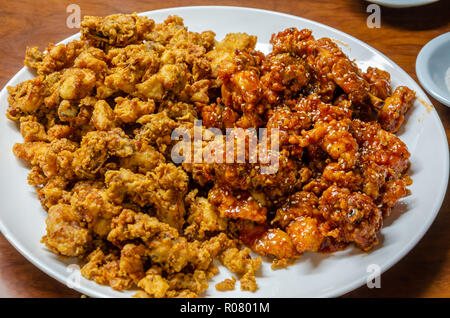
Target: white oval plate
[403, 3]
[22, 219]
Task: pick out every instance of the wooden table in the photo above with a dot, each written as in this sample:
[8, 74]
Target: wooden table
[424, 272]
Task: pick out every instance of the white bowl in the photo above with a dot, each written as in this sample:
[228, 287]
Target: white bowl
[433, 68]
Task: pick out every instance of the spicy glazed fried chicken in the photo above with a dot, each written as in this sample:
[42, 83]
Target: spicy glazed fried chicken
[144, 210]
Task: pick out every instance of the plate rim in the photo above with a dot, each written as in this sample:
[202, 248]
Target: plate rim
[333, 293]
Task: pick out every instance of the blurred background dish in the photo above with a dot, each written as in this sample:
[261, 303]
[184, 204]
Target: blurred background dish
[433, 68]
[402, 3]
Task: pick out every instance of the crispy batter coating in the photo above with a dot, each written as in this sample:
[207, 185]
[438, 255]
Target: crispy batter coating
[392, 114]
[116, 30]
[97, 124]
[163, 188]
[65, 232]
[226, 284]
[305, 234]
[203, 219]
[240, 262]
[237, 205]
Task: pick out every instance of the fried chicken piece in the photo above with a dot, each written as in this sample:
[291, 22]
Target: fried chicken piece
[156, 130]
[277, 243]
[65, 233]
[59, 132]
[292, 41]
[129, 225]
[91, 201]
[129, 66]
[154, 285]
[203, 218]
[93, 59]
[335, 173]
[288, 123]
[164, 188]
[27, 97]
[132, 258]
[217, 115]
[395, 107]
[317, 111]
[163, 244]
[53, 158]
[283, 75]
[379, 81]
[144, 160]
[381, 147]
[330, 67]
[95, 149]
[237, 204]
[299, 204]
[374, 177]
[240, 162]
[184, 285]
[241, 87]
[124, 184]
[116, 30]
[217, 244]
[55, 58]
[348, 76]
[168, 196]
[32, 130]
[350, 217]
[198, 92]
[180, 112]
[334, 138]
[76, 83]
[190, 48]
[92, 154]
[33, 57]
[391, 192]
[226, 284]
[305, 234]
[170, 79]
[328, 58]
[164, 32]
[240, 262]
[103, 116]
[105, 270]
[240, 79]
[129, 110]
[195, 282]
[268, 242]
[51, 191]
[225, 49]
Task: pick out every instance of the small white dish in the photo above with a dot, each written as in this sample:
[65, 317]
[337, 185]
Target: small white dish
[402, 3]
[433, 68]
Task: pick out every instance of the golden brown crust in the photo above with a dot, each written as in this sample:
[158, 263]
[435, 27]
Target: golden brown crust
[226, 284]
